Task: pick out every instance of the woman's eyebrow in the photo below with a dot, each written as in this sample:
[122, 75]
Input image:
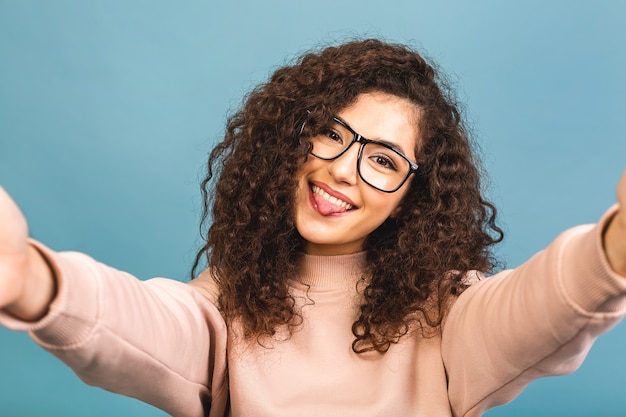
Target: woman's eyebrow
[393, 145]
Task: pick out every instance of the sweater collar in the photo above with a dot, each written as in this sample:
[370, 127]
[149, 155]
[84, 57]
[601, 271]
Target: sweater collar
[331, 272]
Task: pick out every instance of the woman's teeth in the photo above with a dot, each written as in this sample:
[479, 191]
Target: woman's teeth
[332, 200]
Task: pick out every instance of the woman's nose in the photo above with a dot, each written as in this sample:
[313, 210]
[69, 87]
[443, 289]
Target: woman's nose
[344, 168]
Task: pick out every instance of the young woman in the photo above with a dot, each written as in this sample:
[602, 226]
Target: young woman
[346, 252]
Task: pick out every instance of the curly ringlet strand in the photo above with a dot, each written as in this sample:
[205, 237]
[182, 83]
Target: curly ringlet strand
[415, 261]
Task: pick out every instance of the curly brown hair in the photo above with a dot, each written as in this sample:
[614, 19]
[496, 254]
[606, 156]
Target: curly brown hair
[445, 227]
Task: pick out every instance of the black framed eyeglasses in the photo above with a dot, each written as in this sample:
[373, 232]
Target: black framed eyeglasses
[380, 165]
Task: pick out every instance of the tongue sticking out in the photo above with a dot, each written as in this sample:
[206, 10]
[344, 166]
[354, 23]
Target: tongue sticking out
[325, 207]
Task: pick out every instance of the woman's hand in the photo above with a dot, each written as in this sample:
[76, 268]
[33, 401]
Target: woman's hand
[615, 233]
[26, 282]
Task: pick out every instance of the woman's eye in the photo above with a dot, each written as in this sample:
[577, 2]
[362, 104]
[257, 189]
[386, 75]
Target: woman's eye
[384, 162]
[332, 135]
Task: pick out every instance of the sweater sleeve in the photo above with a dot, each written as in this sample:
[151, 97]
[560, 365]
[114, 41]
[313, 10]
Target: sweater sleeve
[537, 320]
[160, 341]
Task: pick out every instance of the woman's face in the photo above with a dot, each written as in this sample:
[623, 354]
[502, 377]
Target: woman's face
[334, 209]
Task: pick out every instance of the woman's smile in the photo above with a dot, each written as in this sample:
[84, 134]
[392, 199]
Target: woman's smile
[328, 201]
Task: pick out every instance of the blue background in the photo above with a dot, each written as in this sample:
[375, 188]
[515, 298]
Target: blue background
[108, 109]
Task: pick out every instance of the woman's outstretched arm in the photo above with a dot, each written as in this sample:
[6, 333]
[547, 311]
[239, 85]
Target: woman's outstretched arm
[539, 319]
[160, 341]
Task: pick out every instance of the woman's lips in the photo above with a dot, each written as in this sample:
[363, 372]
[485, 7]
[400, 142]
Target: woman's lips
[327, 201]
